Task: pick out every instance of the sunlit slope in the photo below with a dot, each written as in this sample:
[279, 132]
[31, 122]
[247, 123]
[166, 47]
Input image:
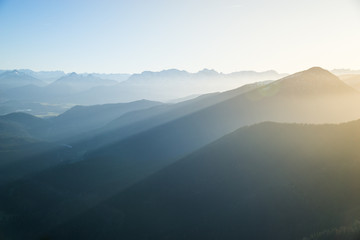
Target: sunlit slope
[352, 80]
[267, 181]
[135, 122]
[312, 96]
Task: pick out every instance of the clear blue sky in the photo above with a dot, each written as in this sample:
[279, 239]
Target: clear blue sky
[133, 36]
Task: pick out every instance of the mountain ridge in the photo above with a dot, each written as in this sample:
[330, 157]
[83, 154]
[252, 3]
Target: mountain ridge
[268, 176]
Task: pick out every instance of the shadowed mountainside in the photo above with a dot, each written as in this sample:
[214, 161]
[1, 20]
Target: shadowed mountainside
[81, 119]
[267, 181]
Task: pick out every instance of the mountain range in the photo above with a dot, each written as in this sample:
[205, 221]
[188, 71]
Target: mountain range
[11, 79]
[216, 166]
[95, 88]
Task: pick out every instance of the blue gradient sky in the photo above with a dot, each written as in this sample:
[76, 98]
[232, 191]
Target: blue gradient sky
[225, 35]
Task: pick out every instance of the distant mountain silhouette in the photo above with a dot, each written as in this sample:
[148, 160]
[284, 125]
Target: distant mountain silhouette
[79, 82]
[51, 76]
[340, 72]
[63, 90]
[120, 77]
[172, 83]
[174, 75]
[15, 78]
[268, 181]
[48, 93]
[87, 89]
[46, 76]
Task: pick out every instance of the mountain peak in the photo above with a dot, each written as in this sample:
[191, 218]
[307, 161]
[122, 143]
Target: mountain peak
[16, 78]
[315, 81]
[315, 74]
[16, 72]
[316, 69]
[73, 74]
[208, 72]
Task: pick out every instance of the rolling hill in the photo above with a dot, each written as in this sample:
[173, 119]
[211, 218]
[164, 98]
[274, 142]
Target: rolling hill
[24, 139]
[81, 119]
[33, 126]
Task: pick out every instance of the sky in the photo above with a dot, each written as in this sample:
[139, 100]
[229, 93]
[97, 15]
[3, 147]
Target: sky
[137, 35]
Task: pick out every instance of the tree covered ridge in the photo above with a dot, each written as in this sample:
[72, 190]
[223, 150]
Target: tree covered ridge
[351, 232]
